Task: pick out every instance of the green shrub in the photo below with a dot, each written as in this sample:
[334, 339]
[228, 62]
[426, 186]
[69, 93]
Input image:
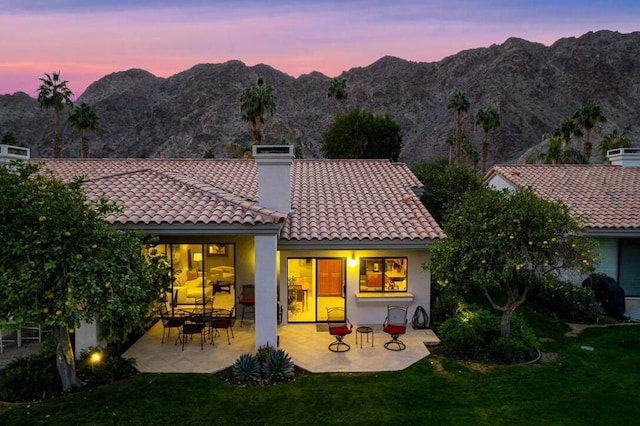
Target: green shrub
[465, 335]
[31, 378]
[510, 350]
[278, 366]
[246, 368]
[109, 368]
[564, 300]
[475, 335]
[263, 352]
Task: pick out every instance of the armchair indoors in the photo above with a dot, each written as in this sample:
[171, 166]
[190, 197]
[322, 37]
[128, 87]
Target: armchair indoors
[339, 326]
[395, 324]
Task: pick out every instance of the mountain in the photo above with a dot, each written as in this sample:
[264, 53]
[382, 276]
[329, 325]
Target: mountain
[534, 87]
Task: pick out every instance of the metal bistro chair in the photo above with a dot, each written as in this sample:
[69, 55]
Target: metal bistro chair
[339, 326]
[248, 301]
[395, 324]
[221, 319]
[169, 321]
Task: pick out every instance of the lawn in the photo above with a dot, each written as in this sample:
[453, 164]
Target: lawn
[578, 387]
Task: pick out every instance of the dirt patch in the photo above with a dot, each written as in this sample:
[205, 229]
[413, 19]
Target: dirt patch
[576, 329]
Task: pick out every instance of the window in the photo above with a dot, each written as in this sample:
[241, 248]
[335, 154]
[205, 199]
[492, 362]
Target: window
[383, 274]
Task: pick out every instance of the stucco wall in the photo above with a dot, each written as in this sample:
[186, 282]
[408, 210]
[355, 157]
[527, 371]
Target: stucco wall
[370, 310]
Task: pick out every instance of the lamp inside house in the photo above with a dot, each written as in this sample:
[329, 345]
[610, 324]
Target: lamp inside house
[197, 257]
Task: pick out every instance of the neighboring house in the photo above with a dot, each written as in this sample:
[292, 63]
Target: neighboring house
[309, 234]
[605, 196]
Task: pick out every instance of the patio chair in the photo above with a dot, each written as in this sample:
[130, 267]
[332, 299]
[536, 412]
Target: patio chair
[191, 327]
[4, 336]
[339, 326]
[395, 325]
[169, 321]
[248, 301]
[221, 319]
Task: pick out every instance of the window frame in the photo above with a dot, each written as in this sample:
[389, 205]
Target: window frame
[368, 273]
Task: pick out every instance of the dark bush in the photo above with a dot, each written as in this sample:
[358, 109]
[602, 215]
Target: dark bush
[566, 301]
[31, 378]
[475, 335]
[109, 368]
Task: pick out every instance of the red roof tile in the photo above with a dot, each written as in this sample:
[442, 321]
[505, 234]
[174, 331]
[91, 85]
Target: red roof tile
[331, 199]
[605, 196]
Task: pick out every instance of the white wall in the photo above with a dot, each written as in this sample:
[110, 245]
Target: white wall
[370, 311]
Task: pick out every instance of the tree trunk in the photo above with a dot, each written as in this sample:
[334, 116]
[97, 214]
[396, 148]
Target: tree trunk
[587, 147]
[485, 151]
[458, 138]
[505, 323]
[57, 145]
[85, 144]
[257, 133]
[65, 362]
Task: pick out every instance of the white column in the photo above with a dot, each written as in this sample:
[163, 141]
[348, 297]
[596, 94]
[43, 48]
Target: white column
[86, 336]
[266, 322]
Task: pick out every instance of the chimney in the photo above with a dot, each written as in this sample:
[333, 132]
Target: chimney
[10, 152]
[274, 176]
[625, 157]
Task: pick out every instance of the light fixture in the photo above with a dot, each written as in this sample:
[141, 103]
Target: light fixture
[197, 257]
[353, 261]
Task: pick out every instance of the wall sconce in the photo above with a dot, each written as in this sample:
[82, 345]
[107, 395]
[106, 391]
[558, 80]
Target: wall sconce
[352, 260]
[197, 257]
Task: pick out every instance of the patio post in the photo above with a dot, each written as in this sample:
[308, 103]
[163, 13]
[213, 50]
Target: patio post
[266, 318]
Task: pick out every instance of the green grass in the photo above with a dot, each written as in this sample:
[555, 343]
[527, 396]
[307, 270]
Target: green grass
[579, 387]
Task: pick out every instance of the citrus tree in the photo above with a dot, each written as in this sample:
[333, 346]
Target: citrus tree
[504, 242]
[60, 262]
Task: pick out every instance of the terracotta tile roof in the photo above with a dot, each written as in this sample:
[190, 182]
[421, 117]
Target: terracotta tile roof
[331, 199]
[605, 196]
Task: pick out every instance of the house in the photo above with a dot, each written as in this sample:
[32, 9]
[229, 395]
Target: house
[605, 196]
[308, 234]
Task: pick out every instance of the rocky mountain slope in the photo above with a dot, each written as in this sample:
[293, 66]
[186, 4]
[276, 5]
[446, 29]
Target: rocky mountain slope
[534, 87]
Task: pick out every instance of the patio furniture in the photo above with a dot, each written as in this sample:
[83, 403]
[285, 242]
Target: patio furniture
[248, 301]
[339, 326]
[4, 336]
[31, 331]
[221, 319]
[395, 324]
[191, 327]
[169, 321]
[364, 330]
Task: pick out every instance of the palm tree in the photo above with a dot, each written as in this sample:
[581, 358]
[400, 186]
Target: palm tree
[489, 119]
[569, 127]
[587, 116]
[338, 90]
[460, 105]
[558, 152]
[255, 102]
[84, 119]
[55, 94]
[614, 140]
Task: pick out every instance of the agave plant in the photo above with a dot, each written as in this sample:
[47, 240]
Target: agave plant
[246, 368]
[278, 366]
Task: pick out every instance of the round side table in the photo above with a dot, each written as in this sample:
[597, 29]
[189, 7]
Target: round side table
[364, 330]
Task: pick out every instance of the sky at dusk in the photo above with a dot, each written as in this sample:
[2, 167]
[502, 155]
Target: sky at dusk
[88, 39]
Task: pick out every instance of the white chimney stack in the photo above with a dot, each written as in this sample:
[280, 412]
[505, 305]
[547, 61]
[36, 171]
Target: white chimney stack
[10, 152]
[625, 157]
[274, 176]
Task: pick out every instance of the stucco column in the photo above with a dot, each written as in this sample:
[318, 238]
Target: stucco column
[86, 336]
[266, 322]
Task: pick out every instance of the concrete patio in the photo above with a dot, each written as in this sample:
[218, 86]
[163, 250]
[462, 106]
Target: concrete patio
[307, 346]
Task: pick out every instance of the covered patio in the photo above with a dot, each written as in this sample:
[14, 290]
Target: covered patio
[307, 344]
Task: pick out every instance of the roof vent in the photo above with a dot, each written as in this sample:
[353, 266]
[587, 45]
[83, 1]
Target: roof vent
[625, 157]
[10, 152]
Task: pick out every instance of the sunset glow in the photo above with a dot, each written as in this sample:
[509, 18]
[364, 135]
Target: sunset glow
[88, 40]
